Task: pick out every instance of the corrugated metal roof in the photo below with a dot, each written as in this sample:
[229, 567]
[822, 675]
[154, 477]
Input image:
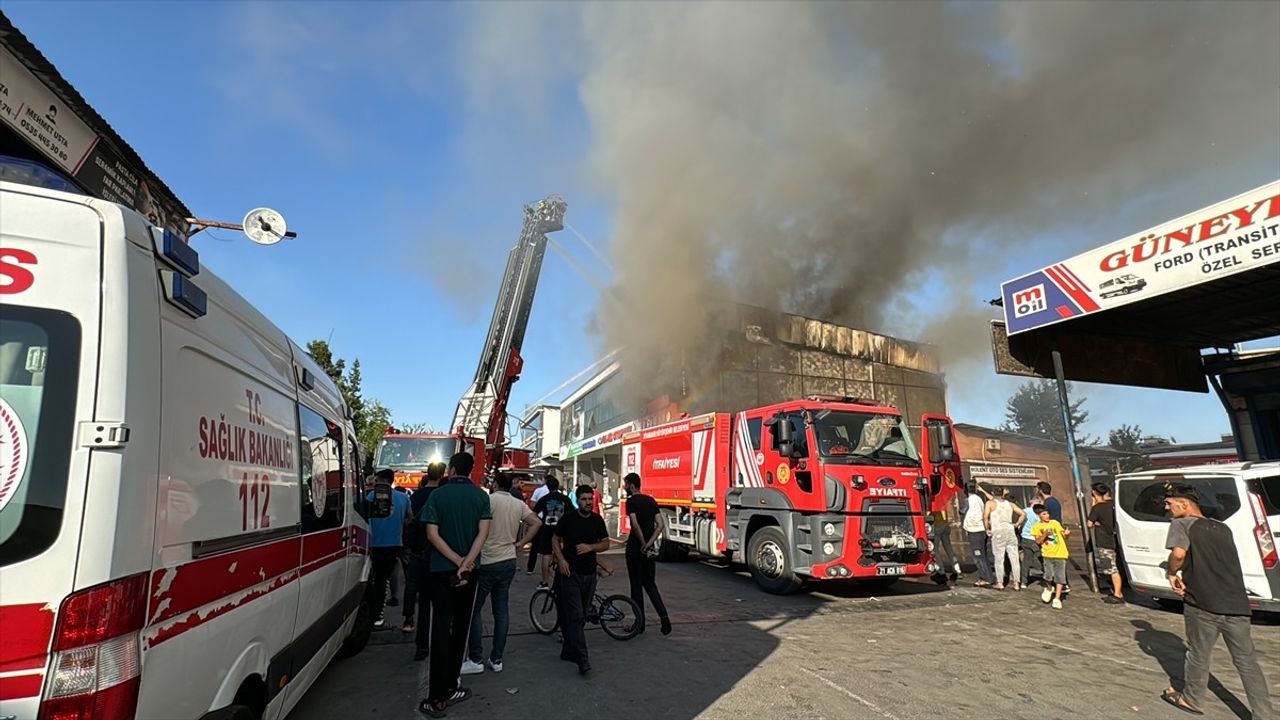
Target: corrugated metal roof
[35, 61]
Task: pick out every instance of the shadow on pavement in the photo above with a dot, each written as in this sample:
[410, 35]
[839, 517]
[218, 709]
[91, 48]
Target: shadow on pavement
[725, 630]
[675, 677]
[1169, 650]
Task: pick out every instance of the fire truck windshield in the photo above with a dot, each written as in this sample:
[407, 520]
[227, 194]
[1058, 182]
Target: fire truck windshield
[411, 452]
[864, 438]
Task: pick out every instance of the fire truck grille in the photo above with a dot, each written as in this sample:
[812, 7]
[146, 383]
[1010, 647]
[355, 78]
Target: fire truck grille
[874, 527]
[885, 518]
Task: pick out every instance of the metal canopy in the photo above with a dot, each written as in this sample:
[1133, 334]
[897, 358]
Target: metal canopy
[1218, 314]
[1139, 310]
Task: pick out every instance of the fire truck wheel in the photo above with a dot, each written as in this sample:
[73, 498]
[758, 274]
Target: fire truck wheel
[669, 551]
[361, 630]
[770, 562]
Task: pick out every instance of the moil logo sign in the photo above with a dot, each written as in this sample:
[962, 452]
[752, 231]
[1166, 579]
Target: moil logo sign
[1029, 301]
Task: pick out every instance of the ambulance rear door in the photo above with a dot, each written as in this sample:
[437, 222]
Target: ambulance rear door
[50, 290]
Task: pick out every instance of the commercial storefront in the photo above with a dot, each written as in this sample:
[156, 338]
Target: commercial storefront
[1008, 460]
[753, 358]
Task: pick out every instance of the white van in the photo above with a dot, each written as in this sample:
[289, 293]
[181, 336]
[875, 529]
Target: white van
[1245, 496]
[179, 532]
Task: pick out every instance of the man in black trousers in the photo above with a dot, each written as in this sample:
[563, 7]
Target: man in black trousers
[647, 525]
[457, 516]
[578, 537]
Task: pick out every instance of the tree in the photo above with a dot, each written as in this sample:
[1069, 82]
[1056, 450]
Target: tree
[416, 427]
[1128, 439]
[370, 418]
[1033, 410]
[377, 418]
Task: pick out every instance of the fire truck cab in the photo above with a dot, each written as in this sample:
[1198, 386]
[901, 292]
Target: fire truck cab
[819, 488]
[180, 521]
[409, 454]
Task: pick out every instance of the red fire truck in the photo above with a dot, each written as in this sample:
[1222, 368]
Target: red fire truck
[825, 488]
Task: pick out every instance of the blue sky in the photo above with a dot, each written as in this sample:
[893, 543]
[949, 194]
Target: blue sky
[404, 174]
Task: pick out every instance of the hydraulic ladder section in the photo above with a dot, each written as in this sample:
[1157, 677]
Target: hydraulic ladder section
[482, 411]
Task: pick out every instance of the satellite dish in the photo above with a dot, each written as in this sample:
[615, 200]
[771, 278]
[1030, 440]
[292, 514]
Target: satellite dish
[265, 226]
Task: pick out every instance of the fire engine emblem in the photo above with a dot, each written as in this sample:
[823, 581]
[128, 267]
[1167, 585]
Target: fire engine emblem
[759, 458]
[784, 473]
[318, 490]
[13, 452]
[949, 476]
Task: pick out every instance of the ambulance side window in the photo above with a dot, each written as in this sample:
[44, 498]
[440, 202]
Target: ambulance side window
[320, 443]
[753, 430]
[357, 472]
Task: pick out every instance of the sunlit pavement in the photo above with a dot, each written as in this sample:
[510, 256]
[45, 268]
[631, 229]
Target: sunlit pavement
[917, 651]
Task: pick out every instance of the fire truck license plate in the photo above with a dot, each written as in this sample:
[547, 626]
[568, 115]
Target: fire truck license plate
[891, 570]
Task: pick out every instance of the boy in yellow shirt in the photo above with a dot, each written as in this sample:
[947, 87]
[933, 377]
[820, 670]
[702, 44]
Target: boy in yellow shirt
[1052, 539]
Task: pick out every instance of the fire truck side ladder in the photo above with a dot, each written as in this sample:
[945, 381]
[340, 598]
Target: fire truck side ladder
[482, 411]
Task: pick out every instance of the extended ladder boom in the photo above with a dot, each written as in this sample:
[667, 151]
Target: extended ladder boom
[482, 411]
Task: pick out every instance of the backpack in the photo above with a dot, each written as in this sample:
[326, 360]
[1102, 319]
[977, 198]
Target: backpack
[382, 504]
[555, 508]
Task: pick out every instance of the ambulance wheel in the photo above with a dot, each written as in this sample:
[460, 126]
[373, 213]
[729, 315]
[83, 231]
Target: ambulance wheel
[770, 562]
[361, 630]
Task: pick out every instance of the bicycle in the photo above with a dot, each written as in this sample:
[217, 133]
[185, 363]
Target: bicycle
[617, 615]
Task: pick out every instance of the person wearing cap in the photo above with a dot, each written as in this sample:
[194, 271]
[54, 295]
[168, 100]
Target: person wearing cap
[1204, 569]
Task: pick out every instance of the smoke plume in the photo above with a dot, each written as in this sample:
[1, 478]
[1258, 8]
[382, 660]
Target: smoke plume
[843, 160]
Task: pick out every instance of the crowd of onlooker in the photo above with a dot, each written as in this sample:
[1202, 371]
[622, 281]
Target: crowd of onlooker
[457, 546]
[1008, 542]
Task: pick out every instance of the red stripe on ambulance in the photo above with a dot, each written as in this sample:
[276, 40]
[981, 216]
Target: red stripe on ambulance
[24, 643]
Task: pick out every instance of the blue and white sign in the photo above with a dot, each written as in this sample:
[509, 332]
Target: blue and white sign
[1230, 237]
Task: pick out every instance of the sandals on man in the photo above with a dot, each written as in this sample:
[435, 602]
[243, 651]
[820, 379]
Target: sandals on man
[1176, 699]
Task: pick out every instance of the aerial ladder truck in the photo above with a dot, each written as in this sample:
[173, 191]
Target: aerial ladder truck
[480, 421]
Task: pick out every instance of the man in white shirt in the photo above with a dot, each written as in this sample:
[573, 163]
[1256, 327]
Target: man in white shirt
[976, 528]
[513, 525]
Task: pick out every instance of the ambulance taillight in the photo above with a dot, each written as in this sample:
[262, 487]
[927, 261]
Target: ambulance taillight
[96, 656]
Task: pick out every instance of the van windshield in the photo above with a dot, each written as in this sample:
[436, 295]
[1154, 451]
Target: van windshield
[39, 363]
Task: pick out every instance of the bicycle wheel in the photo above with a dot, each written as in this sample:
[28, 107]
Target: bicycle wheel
[542, 611]
[620, 617]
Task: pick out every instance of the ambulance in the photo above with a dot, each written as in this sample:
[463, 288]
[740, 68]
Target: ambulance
[181, 535]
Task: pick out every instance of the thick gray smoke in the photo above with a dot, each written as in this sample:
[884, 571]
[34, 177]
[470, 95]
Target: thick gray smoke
[842, 160]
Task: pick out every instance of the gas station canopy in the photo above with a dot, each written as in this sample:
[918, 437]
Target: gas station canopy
[1139, 310]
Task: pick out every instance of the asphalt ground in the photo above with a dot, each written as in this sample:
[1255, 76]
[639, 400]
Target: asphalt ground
[838, 652]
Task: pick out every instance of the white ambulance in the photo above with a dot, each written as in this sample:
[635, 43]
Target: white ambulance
[180, 530]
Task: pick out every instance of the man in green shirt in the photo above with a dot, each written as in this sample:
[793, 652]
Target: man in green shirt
[457, 517]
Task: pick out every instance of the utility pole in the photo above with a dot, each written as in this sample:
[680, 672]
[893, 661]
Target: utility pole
[1064, 403]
